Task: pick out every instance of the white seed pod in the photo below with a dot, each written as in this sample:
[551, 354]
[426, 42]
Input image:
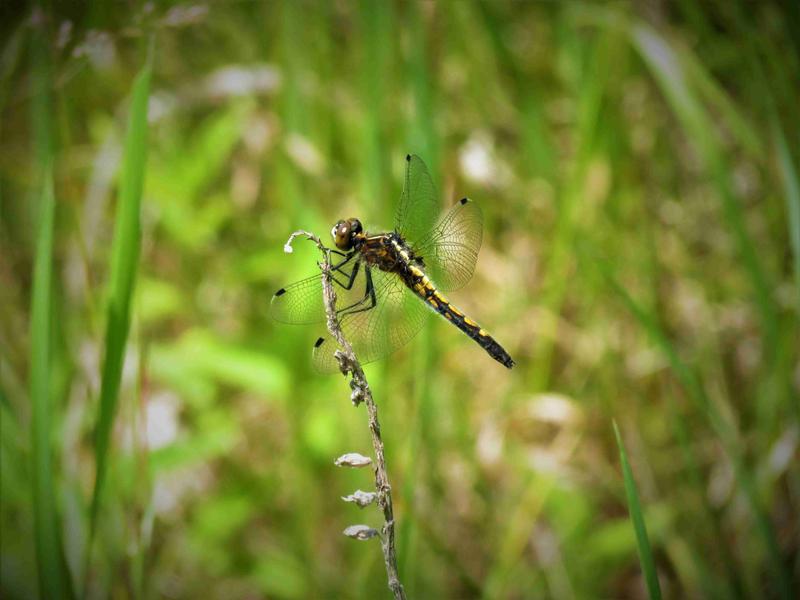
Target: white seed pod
[360, 532]
[361, 498]
[353, 459]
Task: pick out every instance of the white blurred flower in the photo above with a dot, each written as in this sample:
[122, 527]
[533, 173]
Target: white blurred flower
[552, 408]
[304, 154]
[783, 451]
[242, 81]
[98, 48]
[476, 160]
[64, 34]
[171, 489]
[161, 420]
[490, 443]
[180, 16]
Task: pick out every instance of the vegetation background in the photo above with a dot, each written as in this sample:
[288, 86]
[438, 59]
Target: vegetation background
[637, 165]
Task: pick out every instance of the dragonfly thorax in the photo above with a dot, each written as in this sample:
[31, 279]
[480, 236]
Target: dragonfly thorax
[346, 232]
[389, 252]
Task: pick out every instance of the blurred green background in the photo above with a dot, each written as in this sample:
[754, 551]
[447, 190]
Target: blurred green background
[637, 166]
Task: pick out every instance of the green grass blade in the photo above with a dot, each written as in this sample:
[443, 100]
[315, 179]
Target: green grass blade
[645, 551]
[791, 188]
[53, 579]
[124, 259]
[52, 573]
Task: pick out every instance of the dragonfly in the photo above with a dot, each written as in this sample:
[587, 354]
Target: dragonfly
[388, 283]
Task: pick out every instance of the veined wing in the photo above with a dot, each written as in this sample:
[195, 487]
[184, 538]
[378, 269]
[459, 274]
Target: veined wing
[378, 331]
[301, 302]
[450, 249]
[419, 206]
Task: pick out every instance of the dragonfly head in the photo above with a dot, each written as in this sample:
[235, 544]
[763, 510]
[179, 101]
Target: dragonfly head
[345, 233]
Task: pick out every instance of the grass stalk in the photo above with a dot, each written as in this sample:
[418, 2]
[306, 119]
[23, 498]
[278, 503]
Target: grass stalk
[53, 578]
[637, 519]
[54, 581]
[791, 190]
[124, 259]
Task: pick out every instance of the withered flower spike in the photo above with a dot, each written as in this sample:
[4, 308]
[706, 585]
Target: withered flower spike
[361, 498]
[353, 459]
[348, 363]
[360, 532]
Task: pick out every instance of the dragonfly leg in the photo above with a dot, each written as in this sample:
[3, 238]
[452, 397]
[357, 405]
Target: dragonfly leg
[369, 294]
[343, 262]
[338, 267]
[369, 289]
[350, 278]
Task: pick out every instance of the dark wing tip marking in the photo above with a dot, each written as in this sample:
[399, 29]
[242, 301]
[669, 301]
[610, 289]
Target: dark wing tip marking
[280, 292]
[319, 342]
[464, 200]
[408, 157]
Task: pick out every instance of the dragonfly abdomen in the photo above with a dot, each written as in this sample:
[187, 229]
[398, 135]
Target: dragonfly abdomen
[424, 288]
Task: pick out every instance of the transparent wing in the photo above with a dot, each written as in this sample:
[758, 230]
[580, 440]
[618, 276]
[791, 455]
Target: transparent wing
[374, 333]
[450, 250]
[301, 302]
[419, 207]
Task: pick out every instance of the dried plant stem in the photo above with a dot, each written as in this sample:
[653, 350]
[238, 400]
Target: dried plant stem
[361, 393]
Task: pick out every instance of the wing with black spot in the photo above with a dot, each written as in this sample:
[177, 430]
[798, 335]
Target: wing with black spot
[450, 249]
[301, 302]
[419, 203]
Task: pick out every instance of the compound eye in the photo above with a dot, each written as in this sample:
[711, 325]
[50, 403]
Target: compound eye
[339, 230]
[341, 235]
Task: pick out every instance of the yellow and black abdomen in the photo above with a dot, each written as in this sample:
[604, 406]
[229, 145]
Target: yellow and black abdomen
[424, 288]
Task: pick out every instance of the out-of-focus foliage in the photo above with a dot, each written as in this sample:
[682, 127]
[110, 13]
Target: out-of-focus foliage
[638, 172]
